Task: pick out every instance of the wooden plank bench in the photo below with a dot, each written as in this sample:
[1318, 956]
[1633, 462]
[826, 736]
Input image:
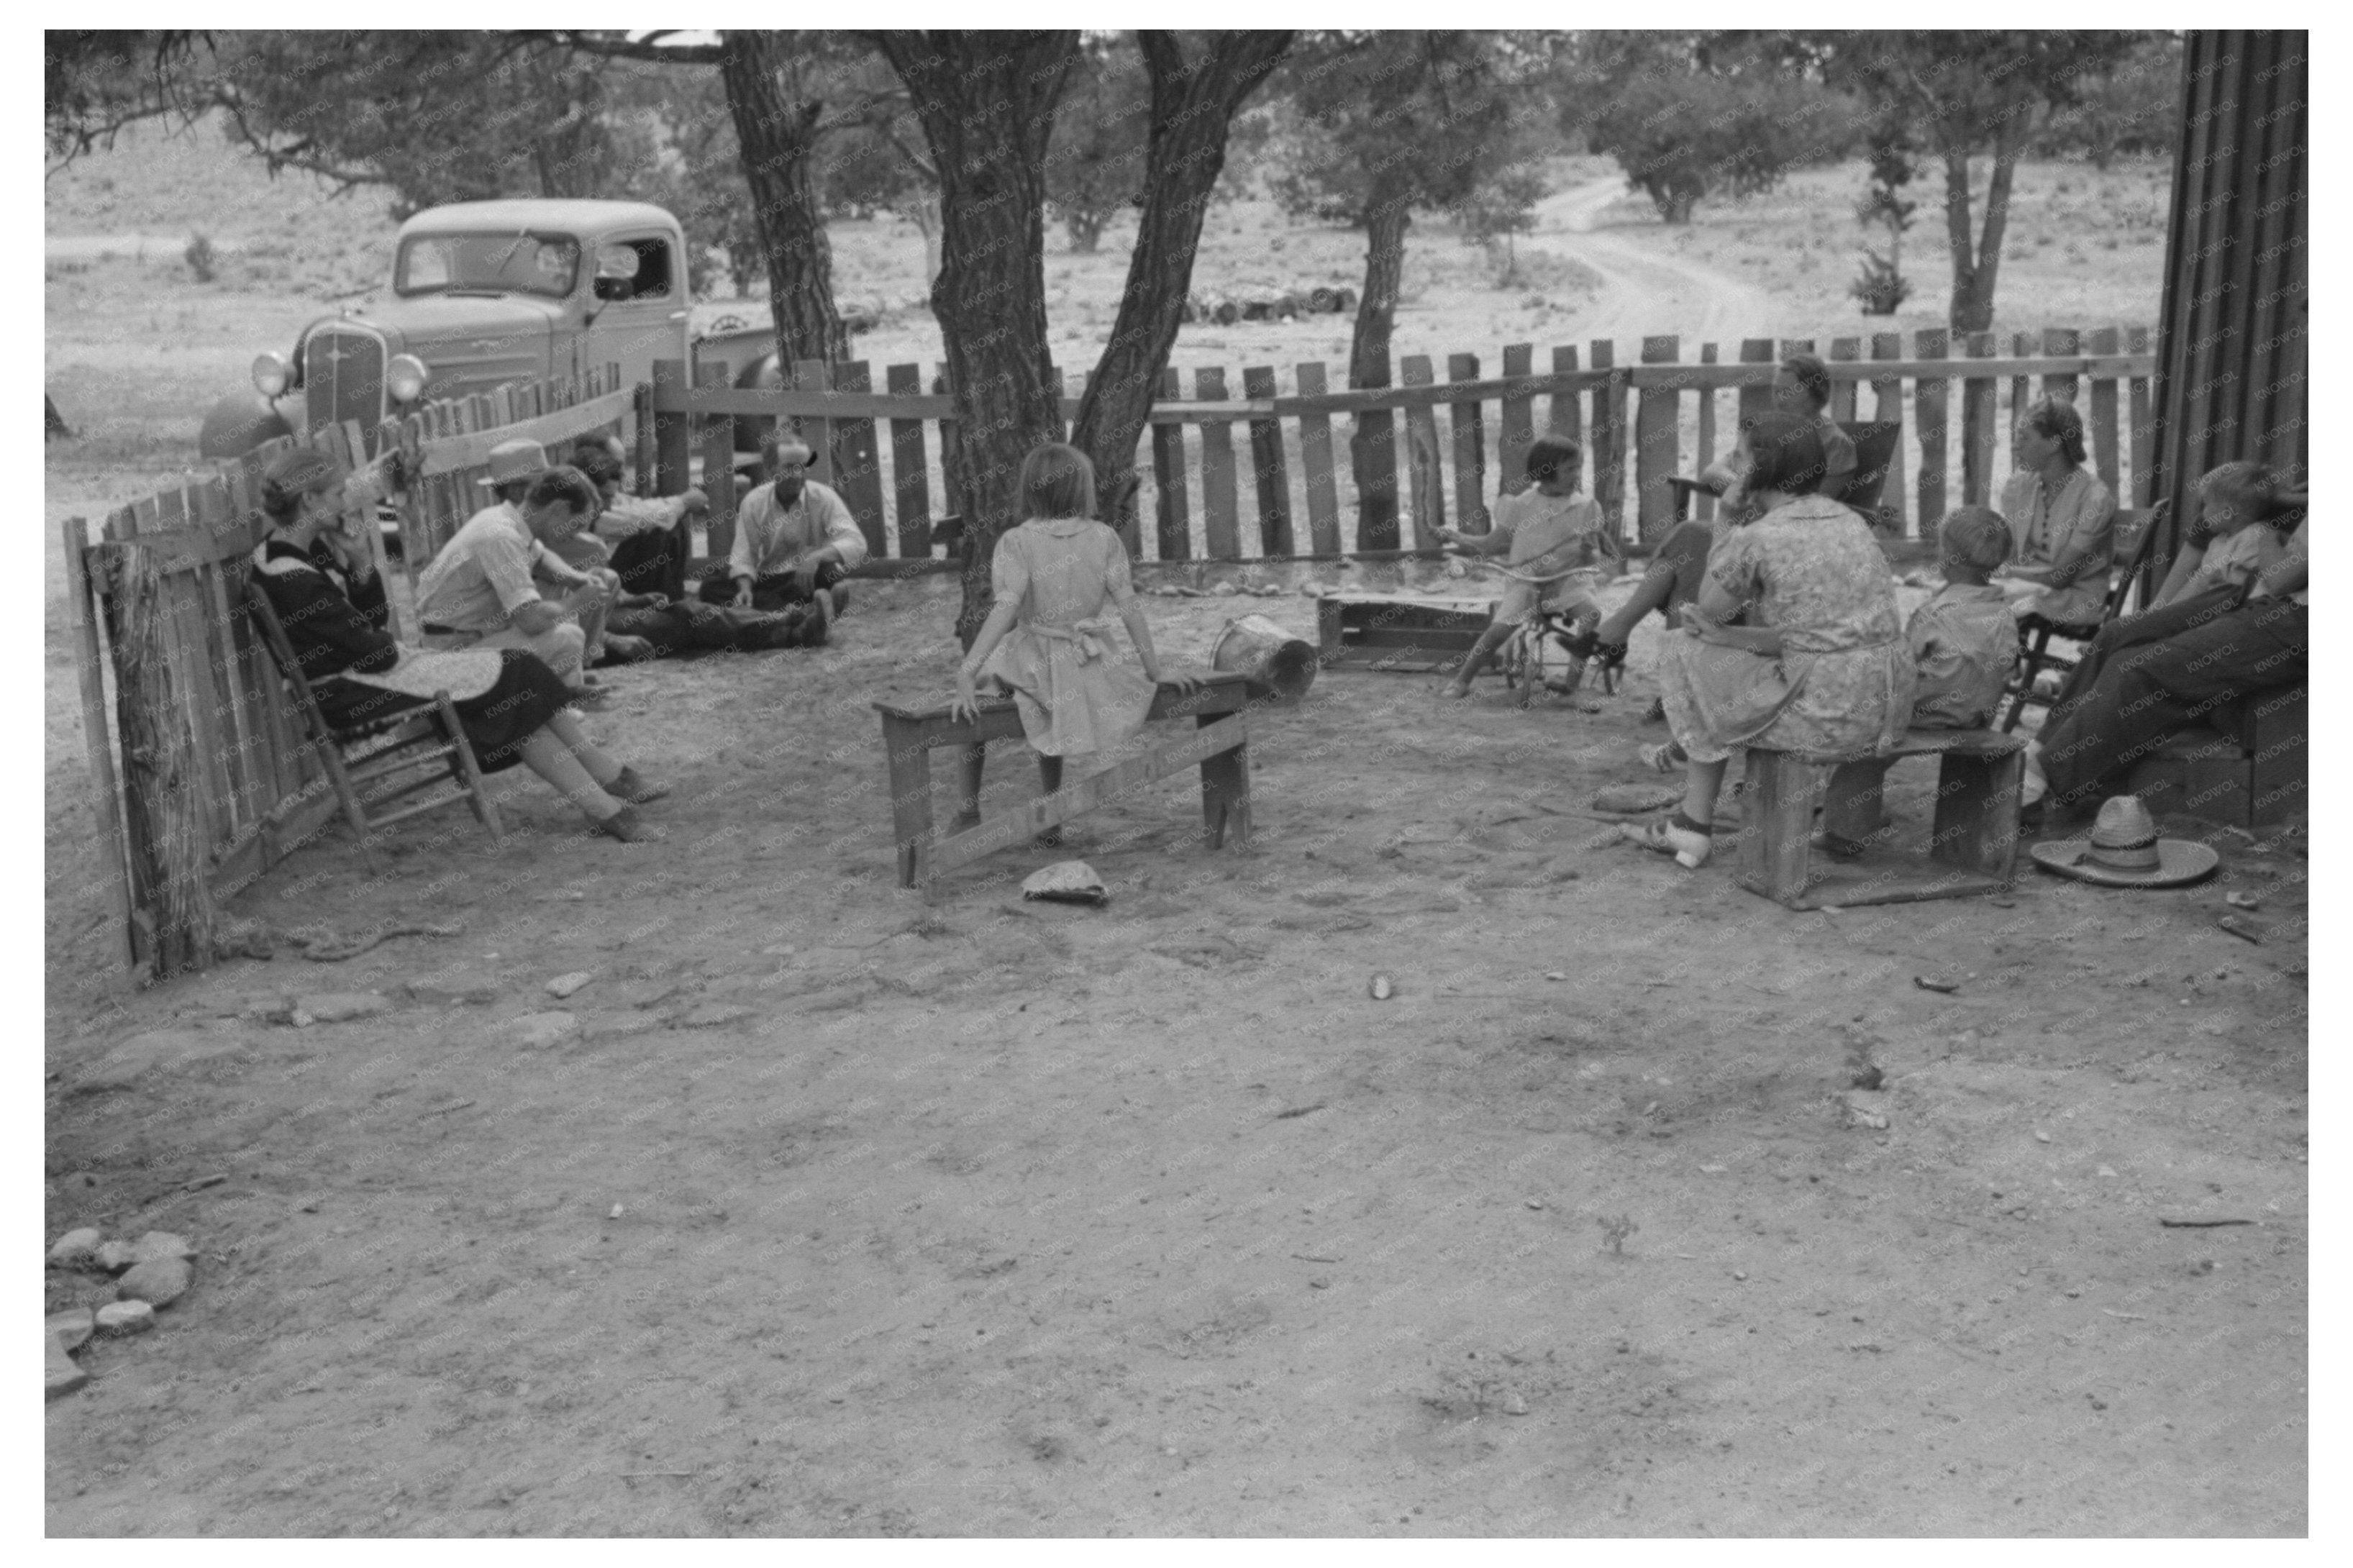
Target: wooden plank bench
[1409, 633]
[1219, 744]
[1972, 844]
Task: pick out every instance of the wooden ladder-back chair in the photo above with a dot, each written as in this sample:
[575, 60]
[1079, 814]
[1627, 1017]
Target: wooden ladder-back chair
[2136, 531]
[412, 751]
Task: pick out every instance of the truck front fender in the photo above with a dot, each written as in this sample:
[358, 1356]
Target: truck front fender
[238, 423]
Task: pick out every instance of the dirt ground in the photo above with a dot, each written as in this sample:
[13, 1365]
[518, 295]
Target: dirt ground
[843, 1213]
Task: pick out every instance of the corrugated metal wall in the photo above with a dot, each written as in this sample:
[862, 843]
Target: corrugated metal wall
[2230, 352]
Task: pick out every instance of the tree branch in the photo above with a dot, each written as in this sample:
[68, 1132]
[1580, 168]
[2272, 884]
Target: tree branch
[648, 48]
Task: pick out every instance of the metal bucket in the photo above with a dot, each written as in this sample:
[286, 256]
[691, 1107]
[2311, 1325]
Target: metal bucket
[1279, 665]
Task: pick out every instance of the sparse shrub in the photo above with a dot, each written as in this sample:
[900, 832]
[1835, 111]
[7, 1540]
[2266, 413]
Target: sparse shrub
[202, 260]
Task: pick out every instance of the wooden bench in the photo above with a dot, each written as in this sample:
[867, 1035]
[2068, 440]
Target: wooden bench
[2244, 766]
[1219, 744]
[1409, 633]
[1972, 845]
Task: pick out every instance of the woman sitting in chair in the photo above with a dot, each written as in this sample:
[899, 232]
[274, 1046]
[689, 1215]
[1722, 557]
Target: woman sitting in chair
[1820, 665]
[322, 586]
[2062, 517]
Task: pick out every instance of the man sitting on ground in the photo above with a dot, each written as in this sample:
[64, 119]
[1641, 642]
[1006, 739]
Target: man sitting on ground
[638, 533]
[483, 590]
[795, 540]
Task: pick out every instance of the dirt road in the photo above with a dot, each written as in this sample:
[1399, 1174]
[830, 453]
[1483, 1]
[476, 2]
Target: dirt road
[1647, 286]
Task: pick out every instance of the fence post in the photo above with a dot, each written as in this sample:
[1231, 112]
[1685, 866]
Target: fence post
[2060, 341]
[857, 464]
[1930, 397]
[1886, 404]
[106, 801]
[1658, 418]
[1560, 409]
[1273, 475]
[1842, 391]
[2144, 429]
[1424, 472]
[1754, 399]
[1315, 457]
[1702, 503]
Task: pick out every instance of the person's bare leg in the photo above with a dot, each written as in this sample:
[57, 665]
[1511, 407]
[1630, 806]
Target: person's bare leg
[1489, 641]
[551, 759]
[575, 742]
[970, 763]
[1703, 782]
[1050, 775]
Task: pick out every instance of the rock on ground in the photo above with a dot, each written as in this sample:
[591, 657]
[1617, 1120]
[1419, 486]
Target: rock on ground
[125, 1318]
[60, 1375]
[72, 1327]
[340, 1006]
[115, 1257]
[160, 1244]
[537, 1031]
[155, 1049]
[564, 985]
[77, 1248]
[159, 1283]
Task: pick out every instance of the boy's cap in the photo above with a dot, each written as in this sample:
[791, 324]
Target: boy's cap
[1977, 535]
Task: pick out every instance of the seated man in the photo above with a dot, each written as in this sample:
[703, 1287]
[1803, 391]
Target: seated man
[482, 589]
[795, 540]
[639, 533]
[1801, 385]
[2159, 687]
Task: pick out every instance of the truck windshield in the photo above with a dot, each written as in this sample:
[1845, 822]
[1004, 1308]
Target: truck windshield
[507, 263]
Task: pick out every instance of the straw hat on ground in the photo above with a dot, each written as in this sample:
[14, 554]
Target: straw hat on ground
[2124, 851]
[512, 460]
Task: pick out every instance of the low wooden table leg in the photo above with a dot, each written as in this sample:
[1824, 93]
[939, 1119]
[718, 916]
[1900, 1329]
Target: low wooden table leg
[910, 762]
[1853, 807]
[1225, 791]
[1777, 826]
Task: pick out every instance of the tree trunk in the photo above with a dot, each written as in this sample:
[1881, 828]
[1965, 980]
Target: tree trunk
[985, 102]
[1372, 445]
[1977, 258]
[777, 137]
[1192, 110]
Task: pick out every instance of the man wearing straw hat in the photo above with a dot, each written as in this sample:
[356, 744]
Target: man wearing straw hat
[483, 590]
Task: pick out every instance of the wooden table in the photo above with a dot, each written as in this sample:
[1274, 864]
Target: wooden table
[1220, 743]
[1410, 633]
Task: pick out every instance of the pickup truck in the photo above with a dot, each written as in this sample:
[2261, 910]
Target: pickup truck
[483, 293]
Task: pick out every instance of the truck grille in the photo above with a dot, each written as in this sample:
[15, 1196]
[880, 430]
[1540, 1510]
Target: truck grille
[342, 377]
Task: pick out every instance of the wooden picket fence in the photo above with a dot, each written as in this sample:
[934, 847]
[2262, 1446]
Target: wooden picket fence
[1638, 424]
[202, 776]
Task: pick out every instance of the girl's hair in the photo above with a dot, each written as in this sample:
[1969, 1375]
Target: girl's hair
[1785, 453]
[2056, 419]
[291, 476]
[1057, 480]
[568, 485]
[1807, 371]
[2253, 487]
[1977, 535]
[595, 459]
[1549, 455]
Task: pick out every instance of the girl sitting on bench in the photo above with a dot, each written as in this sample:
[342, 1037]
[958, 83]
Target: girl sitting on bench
[1047, 638]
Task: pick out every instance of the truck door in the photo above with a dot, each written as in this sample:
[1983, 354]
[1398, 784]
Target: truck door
[640, 300]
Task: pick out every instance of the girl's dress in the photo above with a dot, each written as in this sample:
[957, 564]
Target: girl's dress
[1843, 683]
[358, 674]
[1077, 696]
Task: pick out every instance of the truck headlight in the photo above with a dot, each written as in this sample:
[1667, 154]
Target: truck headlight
[271, 374]
[405, 378]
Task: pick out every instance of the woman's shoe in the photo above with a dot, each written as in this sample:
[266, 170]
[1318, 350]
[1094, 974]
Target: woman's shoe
[632, 790]
[1678, 836]
[628, 828]
[1666, 757]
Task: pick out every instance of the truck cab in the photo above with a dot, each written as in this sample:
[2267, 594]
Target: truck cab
[482, 294]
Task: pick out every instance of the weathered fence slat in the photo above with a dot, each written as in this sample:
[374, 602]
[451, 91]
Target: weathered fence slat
[106, 795]
[1425, 475]
[1887, 403]
[1315, 457]
[1519, 419]
[2063, 341]
[1561, 415]
[716, 439]
[1704, 504]
[1930, 398]
[2106, 455]
[1266, 462]
[1978, 415]
[2144, 427]
[1843, 349]
[1466, 421]
[858, 466]
[1754, 398]
[910, 483]
[1220, 507]
[1657, 444]
[1609, 443]
[1170, 514]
